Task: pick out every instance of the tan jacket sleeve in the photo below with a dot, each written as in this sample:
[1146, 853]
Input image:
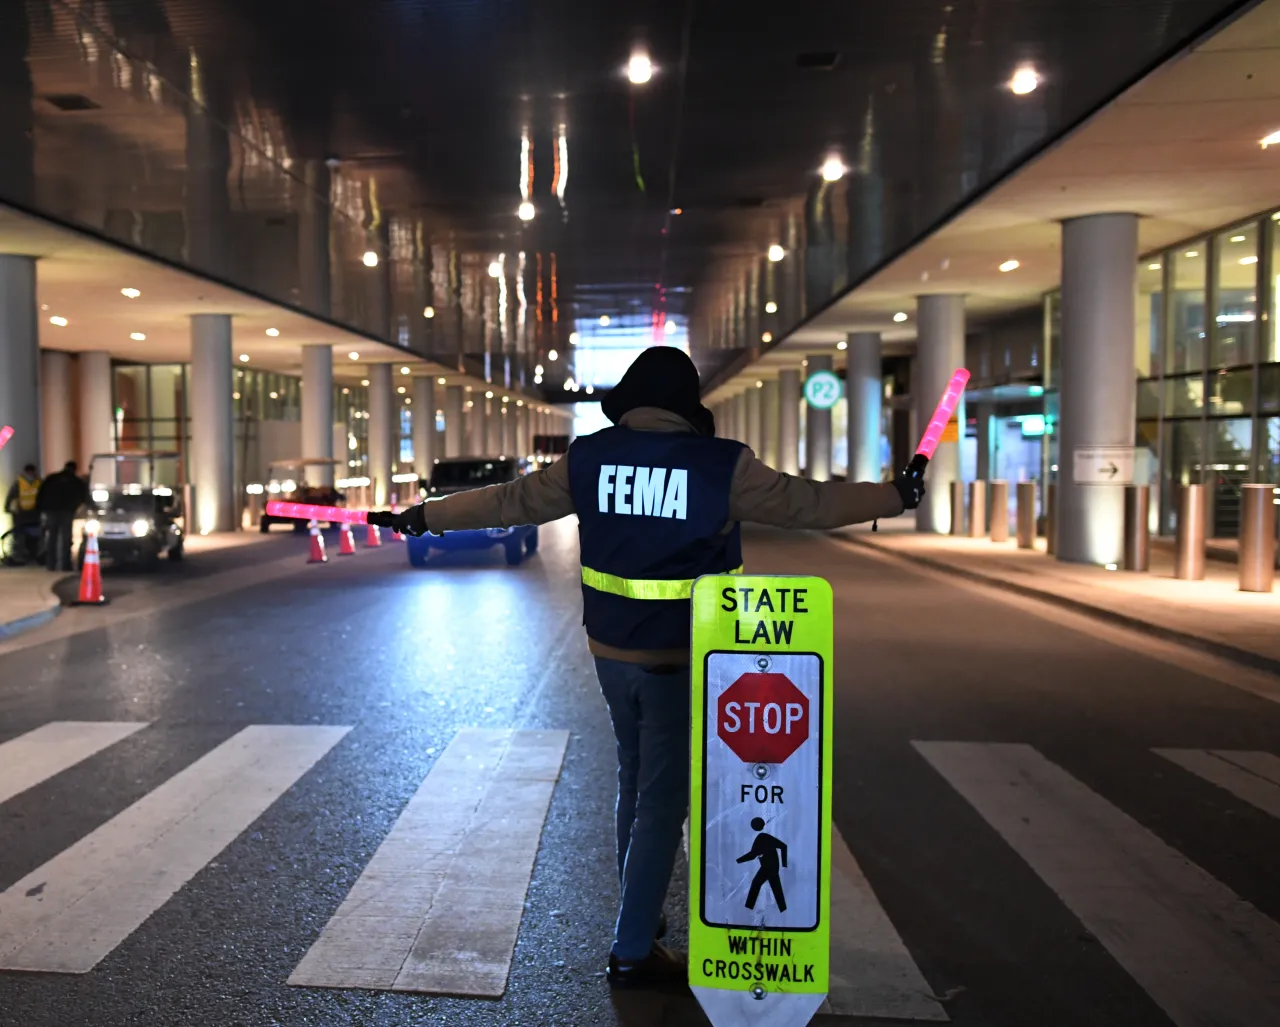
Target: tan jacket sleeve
[532, 499]
[765, 496]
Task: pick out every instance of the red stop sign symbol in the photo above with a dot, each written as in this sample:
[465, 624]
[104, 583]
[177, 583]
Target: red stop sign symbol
[763, 718]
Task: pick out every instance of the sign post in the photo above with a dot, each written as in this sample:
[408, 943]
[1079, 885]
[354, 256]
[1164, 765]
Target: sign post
[760, 804]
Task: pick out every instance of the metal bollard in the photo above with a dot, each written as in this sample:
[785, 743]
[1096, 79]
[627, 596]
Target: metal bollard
[1188, 560]
[957, 508]
[977, 509]
[1257, 538]
[1026, 514]
[1137, 529]
[1051, 518]
[998, 492]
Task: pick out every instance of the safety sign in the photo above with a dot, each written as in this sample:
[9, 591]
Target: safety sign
[760, 812]
[823, 389]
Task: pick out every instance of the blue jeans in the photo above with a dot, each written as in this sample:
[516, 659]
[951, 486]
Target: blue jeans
[650, 712]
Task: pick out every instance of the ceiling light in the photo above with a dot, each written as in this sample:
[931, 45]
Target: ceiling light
[1270, 140]
[137, 337]
[428, 312]
[133, 294]
[590, 389]
[568, 384]
[771, 307]
[766, 336]
[235, 395]
[833, 169]
[400, 389]
[677, 211]
[406, 399]
[525, 211]
[404, 370]
[488, 395]
[244, 358]
[61, 322]
[495, 269]
[538, 370]
[604, 320]
[506, 399]
[1010, 265]
[273, 332]
[274, 395]
[574, 338]
[370, 258]
[519, 402]
[537, 379]
[346, 392]
[776, 253]
[639, 68]
[1248, 260]
[1153, 267]
[1237, 238]
[842, 345]
[900, 316]
[552, 355]
[1024, 80]
[364, 382]
[759, 384]
[440, 381]
[354, 355]
[1192, 253]
[669, 327]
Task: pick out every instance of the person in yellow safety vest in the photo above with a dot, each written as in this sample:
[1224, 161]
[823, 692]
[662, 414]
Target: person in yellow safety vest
[20, 503]
[659, 499]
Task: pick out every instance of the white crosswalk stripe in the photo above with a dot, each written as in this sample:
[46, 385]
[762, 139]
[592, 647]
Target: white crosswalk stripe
[52, 748]
[1202, 953]
[66, 915]
[1251, 776]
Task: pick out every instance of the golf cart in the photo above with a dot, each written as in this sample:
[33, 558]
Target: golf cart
[136, 506]
[287, 481]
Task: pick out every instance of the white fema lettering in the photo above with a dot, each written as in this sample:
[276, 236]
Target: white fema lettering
[644, 491]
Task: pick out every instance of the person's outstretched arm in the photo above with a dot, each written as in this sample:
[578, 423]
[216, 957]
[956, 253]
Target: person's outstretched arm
[531, 499]
[765, 496]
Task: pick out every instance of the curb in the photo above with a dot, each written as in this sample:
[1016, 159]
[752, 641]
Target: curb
[1243, 657]
[52, 608]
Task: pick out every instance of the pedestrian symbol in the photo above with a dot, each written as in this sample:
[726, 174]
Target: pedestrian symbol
[767, 849]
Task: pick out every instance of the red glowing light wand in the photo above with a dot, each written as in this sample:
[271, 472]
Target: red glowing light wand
[6, 433]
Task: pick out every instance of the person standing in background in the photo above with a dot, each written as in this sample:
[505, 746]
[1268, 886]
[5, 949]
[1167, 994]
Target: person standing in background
[60, 497]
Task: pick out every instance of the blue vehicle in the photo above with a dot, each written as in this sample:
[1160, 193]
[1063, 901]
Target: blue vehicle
[458, 474]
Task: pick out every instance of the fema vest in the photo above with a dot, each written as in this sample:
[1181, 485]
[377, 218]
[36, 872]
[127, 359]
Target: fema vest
[28, 489]
[653, 509]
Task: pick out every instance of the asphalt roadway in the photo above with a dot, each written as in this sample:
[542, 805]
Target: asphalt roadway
[1055, 870]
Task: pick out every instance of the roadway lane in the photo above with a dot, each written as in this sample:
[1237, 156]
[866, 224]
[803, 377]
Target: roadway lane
[990, 888]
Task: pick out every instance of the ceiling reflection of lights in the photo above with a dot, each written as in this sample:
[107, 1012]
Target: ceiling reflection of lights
[553, 356]
[1192, 253]
[370, 258]
[495, 269]
[61, 322]
[137, 337]
[428, 312]
[1024, 80]
[776, 253]
[526, 164]
[1010, 265]
[574, 338]
[833, 169]
[771, 307]
[354, 355]
[639, 68]
[561, 181]
[1248, 260]
[1237, 238]
[1269, 140]
[273, 332]
[526, 212]
[900, 316]
[132, 294]
[1153, 267]
[669, 328]
[604, 320]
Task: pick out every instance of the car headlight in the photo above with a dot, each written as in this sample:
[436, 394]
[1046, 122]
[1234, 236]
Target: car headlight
[101, 495]
[92, 526]
[141, 527]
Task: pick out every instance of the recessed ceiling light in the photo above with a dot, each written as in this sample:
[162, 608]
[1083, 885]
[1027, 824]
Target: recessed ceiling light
[669, 327]
[553, 356]
[274, 395]
[1010, 265]
[1153, 267]
[370, 258]
[842, 345]
[759, 384]
[235, 395]
[346, 391]
[137, 337]
[1248, 260]
[244, 358]
[428, 312]
[61, 322]
[766, 336]
[1237, 238]
[400, 390]
[488, 395]
[1192, 253]
[900, 316]
[364, 381]
[1269, 140]
[354, 355]
[404, 370]
[776, 253]
[604, 320]
[495, 269]
[538, 369]
[833, 168]
[273, 332]
[506, 399]
[133, 294]
[639, 67]
[1024, 80]
[590, 389]
[771, 307]
[526, 211]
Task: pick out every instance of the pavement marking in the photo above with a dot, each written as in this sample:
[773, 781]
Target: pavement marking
[872, 973]
[1203, 954]
[439, 906]
[66, 915]
[52, 748]
[1251, 776]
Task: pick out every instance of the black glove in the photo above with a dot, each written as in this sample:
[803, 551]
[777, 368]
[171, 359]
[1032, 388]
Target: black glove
[910, 483]
[412, 521]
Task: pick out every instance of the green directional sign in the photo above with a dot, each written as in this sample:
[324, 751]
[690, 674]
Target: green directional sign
[760, 807]
[823, 389]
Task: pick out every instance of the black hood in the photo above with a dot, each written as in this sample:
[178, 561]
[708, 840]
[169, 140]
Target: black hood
[662, 377]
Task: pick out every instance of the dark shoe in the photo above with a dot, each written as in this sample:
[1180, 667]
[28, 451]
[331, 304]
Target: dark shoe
[661, 967]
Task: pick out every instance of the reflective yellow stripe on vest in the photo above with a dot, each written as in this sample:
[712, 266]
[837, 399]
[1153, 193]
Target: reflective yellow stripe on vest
[641, 588]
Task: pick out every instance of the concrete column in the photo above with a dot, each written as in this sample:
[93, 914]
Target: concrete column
[212, 436]
[492, 425]
[317, 412]
[524, 437]
[983, 416]
[20, 367]
[863, 391]
[724, 426]
[383, 411]
[510, 436]
[789, 421]
[740, 417]
[55, 407]
[423, 420]
[97, 416]
[1097, 400]
[454, 420]
[939, 351]
[817, 431]
[475, 423]
[754, 421]
[313, 238]
[769, 422]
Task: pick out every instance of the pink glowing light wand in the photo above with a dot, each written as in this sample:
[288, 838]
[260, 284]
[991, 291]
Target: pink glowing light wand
[942, 415]
[307, 512]
[6, 433]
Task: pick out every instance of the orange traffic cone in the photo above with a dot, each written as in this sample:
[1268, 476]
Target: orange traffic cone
[317, 545]
[395, 535]
[373, 537]
[91, 575]
[346, 541]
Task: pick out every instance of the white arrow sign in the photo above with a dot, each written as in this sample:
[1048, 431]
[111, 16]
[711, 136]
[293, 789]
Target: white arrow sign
[1102, 465]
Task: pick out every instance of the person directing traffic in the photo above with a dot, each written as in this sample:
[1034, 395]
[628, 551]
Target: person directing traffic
[659, 499]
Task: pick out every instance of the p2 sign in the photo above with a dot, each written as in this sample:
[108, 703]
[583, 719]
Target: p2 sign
[760, 814]
[823, 389]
